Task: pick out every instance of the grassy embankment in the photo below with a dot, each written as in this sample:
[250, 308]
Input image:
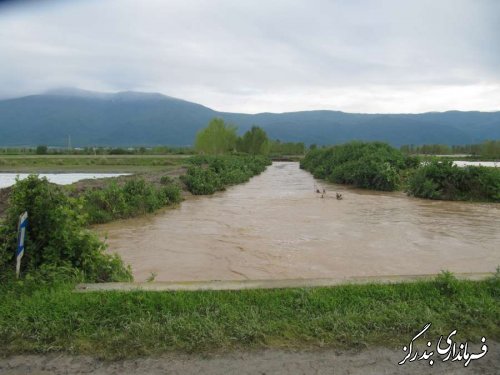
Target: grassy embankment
[52, 318]
[90, 163]
[379, 166]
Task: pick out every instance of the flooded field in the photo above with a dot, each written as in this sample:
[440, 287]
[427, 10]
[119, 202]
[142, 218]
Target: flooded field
[277, 227]
[9, 179]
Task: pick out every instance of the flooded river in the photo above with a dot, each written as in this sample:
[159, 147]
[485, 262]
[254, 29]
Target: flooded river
[277, 227]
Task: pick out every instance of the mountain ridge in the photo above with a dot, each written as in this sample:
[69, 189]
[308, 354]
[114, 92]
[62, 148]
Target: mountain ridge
[131, 118]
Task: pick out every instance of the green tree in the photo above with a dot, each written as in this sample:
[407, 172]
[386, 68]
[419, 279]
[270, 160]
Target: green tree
[287, 148]
[217, 138]
[490, 149]
[254, 142]
[41, 150]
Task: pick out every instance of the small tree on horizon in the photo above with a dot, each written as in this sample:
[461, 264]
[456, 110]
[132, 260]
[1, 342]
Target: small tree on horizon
[254, 142]
[41, 150]
[217, 138]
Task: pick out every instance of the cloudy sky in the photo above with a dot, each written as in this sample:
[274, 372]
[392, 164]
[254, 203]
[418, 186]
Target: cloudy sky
[261, 55]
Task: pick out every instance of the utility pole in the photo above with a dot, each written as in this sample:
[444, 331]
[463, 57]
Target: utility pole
[69, 142]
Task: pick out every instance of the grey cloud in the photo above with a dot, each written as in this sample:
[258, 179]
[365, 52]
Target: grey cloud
[231, 55]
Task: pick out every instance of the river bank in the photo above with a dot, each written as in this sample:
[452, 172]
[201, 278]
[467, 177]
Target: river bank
[81, 185]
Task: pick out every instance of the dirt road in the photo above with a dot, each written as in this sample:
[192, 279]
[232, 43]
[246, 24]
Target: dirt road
[369, 361]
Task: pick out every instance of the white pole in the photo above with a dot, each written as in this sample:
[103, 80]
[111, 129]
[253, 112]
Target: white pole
[23, 222]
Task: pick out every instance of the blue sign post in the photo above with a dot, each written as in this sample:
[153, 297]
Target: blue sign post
[23, 223]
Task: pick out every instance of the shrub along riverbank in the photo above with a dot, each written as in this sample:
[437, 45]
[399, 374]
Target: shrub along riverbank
[379, 166]
[209, 174]
[135, 197]
[374, 165]
[56, 238]
[38, 318]
[440, 179]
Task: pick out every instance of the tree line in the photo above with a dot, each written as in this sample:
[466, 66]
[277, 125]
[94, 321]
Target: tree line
[220, 138]
[487, 149]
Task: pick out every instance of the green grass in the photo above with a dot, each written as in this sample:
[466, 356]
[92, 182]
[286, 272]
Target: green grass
[84, 163]
[128, 324]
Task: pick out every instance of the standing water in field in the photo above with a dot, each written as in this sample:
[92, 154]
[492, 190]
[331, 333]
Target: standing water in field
[278, 227]
[9, 179]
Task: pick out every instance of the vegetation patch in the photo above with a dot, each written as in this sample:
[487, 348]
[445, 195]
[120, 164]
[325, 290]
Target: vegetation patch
[373, 165]
[40, 318]
[440, 179]
[56, 235]
[488, 150]
[379, 166]
[278, 148]
[209, 174]
[135, 197]
[95, 163]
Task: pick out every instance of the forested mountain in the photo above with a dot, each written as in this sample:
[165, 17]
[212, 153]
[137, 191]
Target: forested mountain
[134, 118]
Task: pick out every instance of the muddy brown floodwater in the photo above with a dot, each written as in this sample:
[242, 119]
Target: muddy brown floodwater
[277, 227]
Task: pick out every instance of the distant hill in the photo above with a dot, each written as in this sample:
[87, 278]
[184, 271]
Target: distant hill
[147, 119]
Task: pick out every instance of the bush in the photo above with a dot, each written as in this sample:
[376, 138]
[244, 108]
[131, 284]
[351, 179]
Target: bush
[102, 205]
[41, 150]
[209, 174]
[171, 194]
[447, 284]
[56, 237]
[135, 197]
[165, 180]
[200, 181]
[373, 165]
[443, 180]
